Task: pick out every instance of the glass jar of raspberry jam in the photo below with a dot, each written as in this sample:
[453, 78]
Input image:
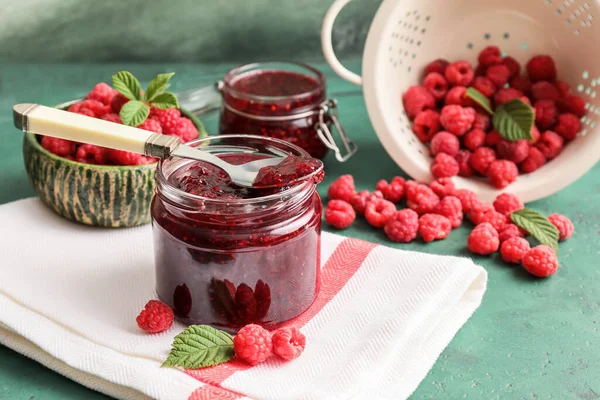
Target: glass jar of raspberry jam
[229, 256]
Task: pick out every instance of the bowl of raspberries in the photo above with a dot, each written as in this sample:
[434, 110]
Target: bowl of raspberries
[99, 186]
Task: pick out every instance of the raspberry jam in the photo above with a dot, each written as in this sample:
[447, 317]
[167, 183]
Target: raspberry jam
[229, 256]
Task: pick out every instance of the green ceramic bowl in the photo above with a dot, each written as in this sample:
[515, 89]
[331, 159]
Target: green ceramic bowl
[99, 195]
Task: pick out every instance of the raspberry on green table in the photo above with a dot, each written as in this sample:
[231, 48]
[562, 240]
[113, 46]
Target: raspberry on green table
[483, 239]
[509, 231]
[402, 227]
[393, 191]
[155, 317]
[486, 213]
[540, 261]
[442, 187]
[361, 199]
[444, 166]
[563, 224]
[434, 227]
[451, 208]
[421, 198]
[512, 250]
[379, 211]
[468, 199]
[342, 188]
[339, 214]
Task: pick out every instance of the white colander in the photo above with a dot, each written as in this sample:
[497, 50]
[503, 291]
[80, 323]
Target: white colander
[405, 35]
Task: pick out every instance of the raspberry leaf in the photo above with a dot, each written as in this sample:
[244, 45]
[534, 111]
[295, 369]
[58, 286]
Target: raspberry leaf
[134, 112]
[158, 85]
[164, 101]
[127, 84]
[514, 120]
[537, 225]
[200, 346]
[480, 99]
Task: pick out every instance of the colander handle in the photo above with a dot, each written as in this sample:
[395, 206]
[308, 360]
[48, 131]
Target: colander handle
[326, 31]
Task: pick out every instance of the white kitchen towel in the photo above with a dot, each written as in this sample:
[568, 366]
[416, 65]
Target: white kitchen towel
[69, 295]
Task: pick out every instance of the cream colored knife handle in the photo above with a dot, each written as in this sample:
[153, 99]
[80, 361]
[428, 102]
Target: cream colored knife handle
[49, 121]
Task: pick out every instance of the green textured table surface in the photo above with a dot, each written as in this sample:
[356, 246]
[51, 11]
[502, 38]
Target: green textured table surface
[530, 339]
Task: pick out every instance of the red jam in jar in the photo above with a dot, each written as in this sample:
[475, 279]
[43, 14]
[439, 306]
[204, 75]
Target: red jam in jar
[228, 256]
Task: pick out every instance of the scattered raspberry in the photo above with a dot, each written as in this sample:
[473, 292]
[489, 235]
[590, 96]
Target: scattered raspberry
[402, 226]
[90, 154]
[456, 119]
[120, 157]
[459, 73]
[574, 105]
[150, 124]
[510, 231]
[522, 84]
[117, 102]
[541, 68]
[506, 94]
[563, 224]
[360, 200]
[568, 126]
[253, 344]
[506, 203]
[540, 261]
[467, 198]
[442, 187]
[550, 144]
[339, 214]
[502, 173]
[544, 90]
[102, 93]
[342, 189]
[426, 124]
[186, 130]
[412, 187]
[515, 151]
[482, 122]
[155, 317]
[563, 88]
[474, 139]
[487, 213]
[456, 96]
[444, 166]
[490, 56]
[415, 100]
[168, 119]
[444, 142]
[463, 158]
[498, 74]
[482, 158]
[438, 66]
[493, 138]
[535, 159]
[513, 66]
[421, 198]
[433, 227]
[393, 191]
[483, 239]
[60, 147]
[451, 208]
[485, 86]
[112, 117]
[379, 211]
[512, 250]
[545, 114]
[288, 343]
[436, 84]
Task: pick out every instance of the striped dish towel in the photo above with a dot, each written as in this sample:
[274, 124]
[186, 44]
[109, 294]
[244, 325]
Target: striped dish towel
[69, 295]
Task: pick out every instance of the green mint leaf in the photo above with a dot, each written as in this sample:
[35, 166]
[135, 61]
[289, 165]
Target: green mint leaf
[127, 84]
[480, 99]
[134, 112]
[537, 225]
[200, 346]
[165, 100]
[514, 120]
[158, 85]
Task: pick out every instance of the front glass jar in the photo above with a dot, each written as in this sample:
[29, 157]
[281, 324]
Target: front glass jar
[227, 256]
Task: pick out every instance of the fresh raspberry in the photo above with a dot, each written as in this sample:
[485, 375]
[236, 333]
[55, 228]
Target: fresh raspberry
[117, 102]
[506, 203]
[456, 119]
[490, 56]
[510, 231]
[442, 187]
[402, 227]
[60, 147]
[502, 173]
[545, 114]
[483, 239]
[550, 144]
[467, 198]
[342, 189]
[120, 157]
[541, 68]
[288, 343]
[169, 119]
[417, 99]
[535, 159]
[487, 213]
[544, 90]
[102, 93]
[143, 160]
[506, 94]
[456, 96]
[498, 74]
[474, 139]
[421, 198]
[186, 130]
[339, 214]
[515, 151]
[574, 105]
[253, 344]
[563, 224]
[535, 134]
[155, 317]
[426, 124]
[568, 126]
[451, 208]
[90, 154]
[485, 86]
[463, 158]
[83, 111]
[482, 122]
[412, 187]
[379, 211]
[94, 106]
[521, 84]
[540, 261]
[112, 117]
[493, 138]
[393, 191]
[563, 88]
[150, 124]
[361, 199]
[436, 84]
[459, 73]
[444, 166]
[433, 227]
[444, 142]
[512, 250]
[480, 70]
[438, 66]
[513, 66]
[482, 158]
